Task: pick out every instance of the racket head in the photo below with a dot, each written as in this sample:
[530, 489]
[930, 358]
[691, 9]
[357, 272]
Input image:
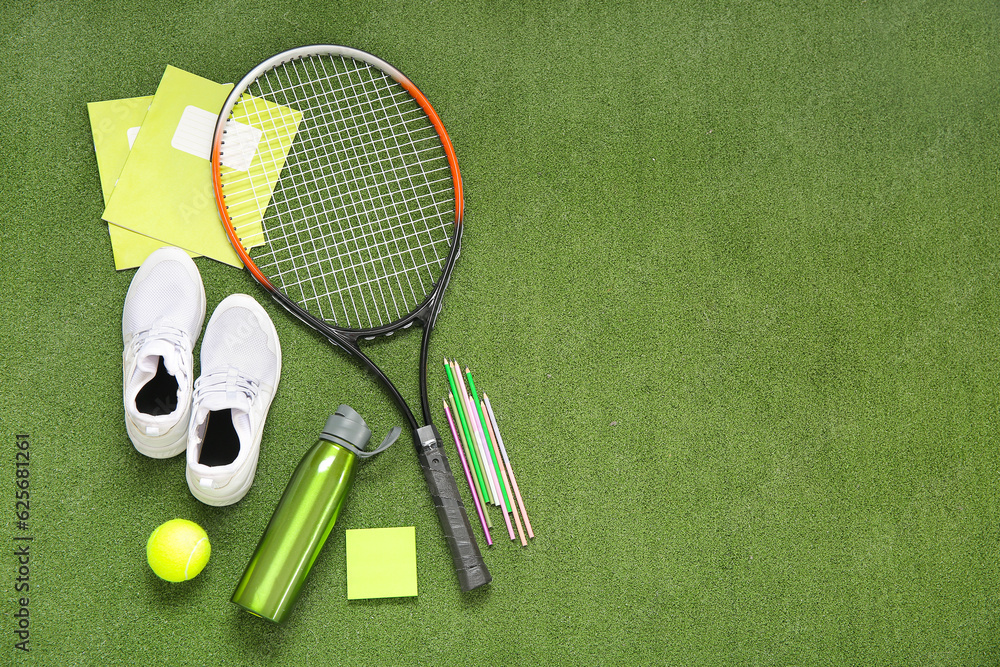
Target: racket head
[339, 189]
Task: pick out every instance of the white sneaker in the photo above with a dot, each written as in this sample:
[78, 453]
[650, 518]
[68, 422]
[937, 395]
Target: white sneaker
[162, 318]
[240, 367]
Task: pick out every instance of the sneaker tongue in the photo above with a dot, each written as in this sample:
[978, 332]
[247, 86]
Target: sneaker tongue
[150, 353]
[147, 364]
[222, 392]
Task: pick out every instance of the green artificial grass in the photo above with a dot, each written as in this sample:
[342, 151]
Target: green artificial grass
[730, 280]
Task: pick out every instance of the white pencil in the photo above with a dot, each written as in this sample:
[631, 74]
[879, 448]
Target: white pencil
[506, 461]
[503, 473]
[477, 434]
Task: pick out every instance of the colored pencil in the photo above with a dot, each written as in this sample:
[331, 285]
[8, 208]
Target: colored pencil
[463, 420]
[468, 475]
[484, 456]
[477, 416]
[510, 469]
[494, 457]
[503, 474]
[468, 455]
[472, 412]
[502, 504]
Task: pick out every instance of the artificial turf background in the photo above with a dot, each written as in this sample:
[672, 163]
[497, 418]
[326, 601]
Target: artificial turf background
[729, 277]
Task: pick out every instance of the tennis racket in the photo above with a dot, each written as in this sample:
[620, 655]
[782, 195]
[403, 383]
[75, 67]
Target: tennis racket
[340, 191]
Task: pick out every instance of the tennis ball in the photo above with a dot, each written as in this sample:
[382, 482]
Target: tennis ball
[178, 550]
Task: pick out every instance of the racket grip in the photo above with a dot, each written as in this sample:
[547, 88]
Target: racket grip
[469, 565]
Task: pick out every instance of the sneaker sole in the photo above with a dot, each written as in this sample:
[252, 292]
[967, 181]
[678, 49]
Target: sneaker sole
[156, 452]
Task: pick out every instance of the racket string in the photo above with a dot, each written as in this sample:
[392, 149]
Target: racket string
[297, 272]
[397, 242]
[278, 200]
[346, 123]
[270, 160]
[364, 121]
[419, 163]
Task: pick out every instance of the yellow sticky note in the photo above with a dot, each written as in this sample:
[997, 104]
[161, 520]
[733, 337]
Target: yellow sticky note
[115, 124]
[381, 563]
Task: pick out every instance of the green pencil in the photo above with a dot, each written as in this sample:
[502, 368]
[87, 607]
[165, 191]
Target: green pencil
[468, 455]
[463, 419]
[476, 438]
[489, 441]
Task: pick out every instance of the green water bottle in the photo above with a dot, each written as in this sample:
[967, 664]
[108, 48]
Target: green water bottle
[305, 516]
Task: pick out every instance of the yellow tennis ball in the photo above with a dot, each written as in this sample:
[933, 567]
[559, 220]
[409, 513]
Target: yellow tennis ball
[178, 550]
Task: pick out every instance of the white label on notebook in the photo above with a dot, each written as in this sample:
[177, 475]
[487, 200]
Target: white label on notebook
[194, 136]
[241, 145]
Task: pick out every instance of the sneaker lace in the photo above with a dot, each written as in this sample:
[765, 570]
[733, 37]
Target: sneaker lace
[177, 337]
[229, 382]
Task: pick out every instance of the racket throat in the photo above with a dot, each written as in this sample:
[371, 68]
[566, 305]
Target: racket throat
[427, 437]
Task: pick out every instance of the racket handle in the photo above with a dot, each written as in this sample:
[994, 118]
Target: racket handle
[469, 565]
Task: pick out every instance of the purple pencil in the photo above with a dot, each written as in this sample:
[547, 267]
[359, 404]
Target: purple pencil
[468, 475]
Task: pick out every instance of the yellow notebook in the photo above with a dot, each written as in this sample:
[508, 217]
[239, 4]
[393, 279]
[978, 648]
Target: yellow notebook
[115, 125]
[165, 191]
